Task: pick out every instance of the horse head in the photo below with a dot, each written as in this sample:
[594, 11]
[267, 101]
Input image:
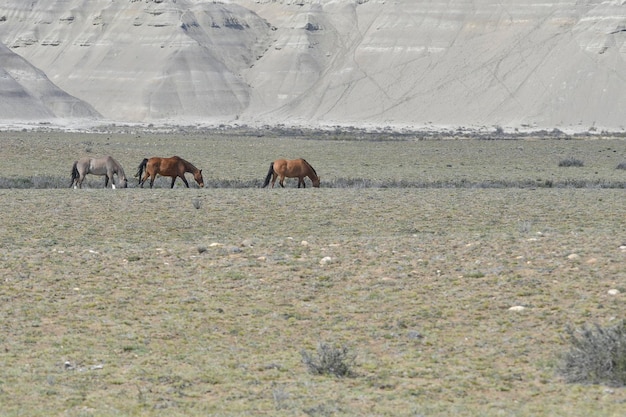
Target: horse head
[123, 183]
[316, 182]
[198, 177]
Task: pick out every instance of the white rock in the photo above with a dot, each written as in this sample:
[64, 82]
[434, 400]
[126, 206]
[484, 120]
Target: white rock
[613, 291]
[325, 260]
[517, 308]
[573, 257]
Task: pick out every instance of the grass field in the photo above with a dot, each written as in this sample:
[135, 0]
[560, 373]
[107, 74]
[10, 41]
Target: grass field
[201, 301]
[44, 159]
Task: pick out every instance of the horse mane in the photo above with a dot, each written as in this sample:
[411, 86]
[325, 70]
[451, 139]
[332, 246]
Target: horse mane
[120, 170]
[187, 164]
[310, 166]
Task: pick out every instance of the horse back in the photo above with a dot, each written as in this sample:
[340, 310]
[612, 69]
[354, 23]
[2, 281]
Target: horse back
[292, 168]
[101, 166]
[165, 166]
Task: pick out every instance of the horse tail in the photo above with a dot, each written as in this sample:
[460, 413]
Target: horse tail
[269, 175]
[141, 167]
[74, 173]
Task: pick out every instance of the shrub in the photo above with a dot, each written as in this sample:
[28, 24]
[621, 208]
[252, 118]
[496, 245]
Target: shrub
[597, 355]
[571, 162]
[47, 181]
[329, 360]
[621, 165]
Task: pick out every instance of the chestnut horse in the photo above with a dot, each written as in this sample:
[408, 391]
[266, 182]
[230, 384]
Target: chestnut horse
[291, 168]
[168, 167]
[106, 166]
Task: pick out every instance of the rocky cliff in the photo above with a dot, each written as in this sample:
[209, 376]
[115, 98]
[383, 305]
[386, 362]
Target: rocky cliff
[27, 94]
[483, 63]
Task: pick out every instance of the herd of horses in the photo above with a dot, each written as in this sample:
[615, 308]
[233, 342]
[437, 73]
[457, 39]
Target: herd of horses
[176, 167]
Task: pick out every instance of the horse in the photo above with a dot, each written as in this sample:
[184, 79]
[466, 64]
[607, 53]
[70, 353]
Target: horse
[168, 167]
[106, 166]
[291, 168]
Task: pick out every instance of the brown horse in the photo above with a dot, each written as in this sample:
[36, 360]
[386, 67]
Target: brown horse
[168, 167]
[106, 166]
[291, 168]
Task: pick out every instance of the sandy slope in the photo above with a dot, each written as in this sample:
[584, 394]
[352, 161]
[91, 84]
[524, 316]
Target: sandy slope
[485, 63]
[26, 93]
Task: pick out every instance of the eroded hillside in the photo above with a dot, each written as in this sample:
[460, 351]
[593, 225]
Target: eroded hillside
[368, 63]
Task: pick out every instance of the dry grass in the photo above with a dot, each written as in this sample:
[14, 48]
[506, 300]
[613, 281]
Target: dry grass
[200, 302]
[44, 159]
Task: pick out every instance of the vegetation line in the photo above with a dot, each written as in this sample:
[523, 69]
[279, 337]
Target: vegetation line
[49, 182]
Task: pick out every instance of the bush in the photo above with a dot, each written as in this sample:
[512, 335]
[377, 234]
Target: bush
[330, 361]
[571, 162]
[597, 355]
[621, 165]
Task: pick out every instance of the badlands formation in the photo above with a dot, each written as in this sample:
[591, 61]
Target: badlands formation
[511, 64]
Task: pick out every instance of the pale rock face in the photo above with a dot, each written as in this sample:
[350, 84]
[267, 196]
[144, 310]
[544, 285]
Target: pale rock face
[26, 93]
[525, 64]
[138, 60]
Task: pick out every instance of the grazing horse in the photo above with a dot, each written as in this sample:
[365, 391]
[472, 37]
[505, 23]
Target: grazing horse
[291, 168]
[106, 166]
[168, 167]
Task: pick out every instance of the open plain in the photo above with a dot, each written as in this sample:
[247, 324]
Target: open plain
[411, 254]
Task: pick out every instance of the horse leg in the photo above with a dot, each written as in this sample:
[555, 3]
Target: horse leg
[173, 181]
[110, 174]
[281, 181]
[152, 178]
[106, 180]
[182, 177]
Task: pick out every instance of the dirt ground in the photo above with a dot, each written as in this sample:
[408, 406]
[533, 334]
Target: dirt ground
[200, 301]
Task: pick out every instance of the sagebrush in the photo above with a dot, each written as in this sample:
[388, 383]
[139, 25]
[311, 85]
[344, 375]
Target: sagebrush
[597, 355]
[330, 360]
[571, 162]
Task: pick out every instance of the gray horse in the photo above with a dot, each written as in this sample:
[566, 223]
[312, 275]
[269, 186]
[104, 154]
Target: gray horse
[98, 166]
